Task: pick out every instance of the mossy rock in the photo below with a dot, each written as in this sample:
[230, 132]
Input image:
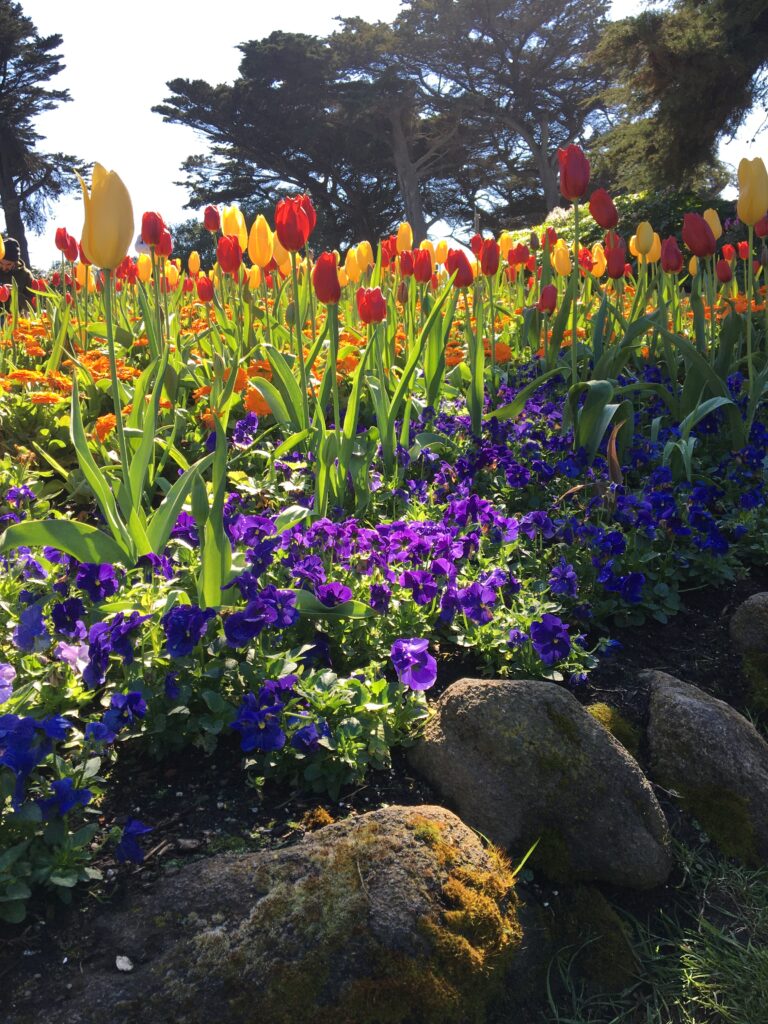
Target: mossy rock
[521, 761]
[617, 725]
[756, 671]
[400, 916]
[715, 760]
[593, 938]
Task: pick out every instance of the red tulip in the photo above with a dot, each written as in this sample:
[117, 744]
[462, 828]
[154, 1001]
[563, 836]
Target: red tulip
[72, 250]
[406, 263]
[761, 228]
[205, 289]
[229, 254]
[308, 208]
[325, 278]
[698, 236]
[671, 257]
[211, 218]
[189, 284]
[84, 259]
[744, 250]
[371, 305]
[292, 223]
[729, 253]
[5, 293]
[164, 245]
[723, 271]
[518, 256]
[62, 236]
[603, 209]
[547, 299]
[574, 172]
[456, 262]
[489, 257]
[422, 266]
[615, 256]
[476, 244]
[152, 227]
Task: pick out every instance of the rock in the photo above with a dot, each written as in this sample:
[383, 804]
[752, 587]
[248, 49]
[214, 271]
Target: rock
[400, 916]
[749, 625]
[709, 754]
[521, 760]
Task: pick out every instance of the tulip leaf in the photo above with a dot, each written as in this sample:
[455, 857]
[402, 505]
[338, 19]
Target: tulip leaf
[80, 540]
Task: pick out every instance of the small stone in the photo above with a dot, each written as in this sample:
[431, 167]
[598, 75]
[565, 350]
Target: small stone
[749, 625]
[123, 963]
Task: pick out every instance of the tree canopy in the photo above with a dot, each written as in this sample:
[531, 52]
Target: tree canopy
[30, 180]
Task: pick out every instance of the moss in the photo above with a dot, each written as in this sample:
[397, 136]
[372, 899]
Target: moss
[756, 671]
[315, 818]
[617, 725]
[228, 844]
[338, 972]
[725, 817]
[551, 855]
[587, 924]
[564, 725]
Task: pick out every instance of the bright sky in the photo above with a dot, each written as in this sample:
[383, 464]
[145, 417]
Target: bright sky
[117, 66]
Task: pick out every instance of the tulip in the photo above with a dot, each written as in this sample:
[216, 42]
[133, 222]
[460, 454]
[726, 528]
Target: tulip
[193, 263]
[144, 267]
[489, 257]
[108, 227]
[292, 223]
[280, 255]
[325, 279]
[643, 238]
[427, 246]
[204, 289]
[506, 242]
[229, 254]
[671, 257]
[365, 256]
[752, 204]
[371, 305]
[352, 268]
[441, 252]
[723, 271]
[422, 265]
[744, 249]
[233, 224]
[654, 253]
[171, 275]
[406, 263]
[698, 236]
[574, 173]
[547, 299]
[693, 266]
[342, 276]
[5, 291]
[476, 244]
[152, 227]
[2, 248]
[164, 247]
[72, 249]
[561, 259]
[456, 262]
[211, 219]
[61, 239]
[260, 242]
[188, 284]
[599, 262]
[603, 209]
[615, 256]
[729, 253]
[711, 217]
[404, 237]
[84, 258]
[254, 278]
[761, 228]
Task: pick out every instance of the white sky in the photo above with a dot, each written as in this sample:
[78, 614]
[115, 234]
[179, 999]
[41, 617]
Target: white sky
[118, 59]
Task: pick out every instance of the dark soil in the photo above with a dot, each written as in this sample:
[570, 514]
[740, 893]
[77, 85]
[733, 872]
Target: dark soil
[199, 805]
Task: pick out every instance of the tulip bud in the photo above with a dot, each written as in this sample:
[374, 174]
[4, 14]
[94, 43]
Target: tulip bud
[351, 266]
[152, 227]
[164, 246]
[2, 248]
[171, 275]
[547, 299]
[427, 246]
[599, 262]
[108, 227]
[5, 292]
[603, 209]
[654, 254]
[643, 238]
[233, 224]
[456, 262]
[761, 227]
[205, 289]
[729, 253]
[476, 244]
[229, 255]
[260, 242]
[188, 285]
[693, 266]
[723, 271]
[365, 256]
[371, 305]
[62, 235]
[254, 278]
[404, 237]
[406, 263]
[506, 242]
[561, 259]
[574, 172]
[422, 265]
[211, 219]
[325, 279]
[671, 257]
[193, 263]
[752, 205]
[711, 217]
[144, 267]
[294, 217]
[489, 257]
[743, 250]
[441, 252]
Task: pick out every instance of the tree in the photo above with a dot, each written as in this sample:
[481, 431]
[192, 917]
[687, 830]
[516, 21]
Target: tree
[522, 73]
[681, 79]
[29, 180]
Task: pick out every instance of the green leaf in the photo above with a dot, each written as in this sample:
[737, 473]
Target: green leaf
[164, 519]
[513, 409]
[81, 541]
[307, 604]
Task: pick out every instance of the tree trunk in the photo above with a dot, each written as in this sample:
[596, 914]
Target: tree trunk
[408, 179]
[10, 203]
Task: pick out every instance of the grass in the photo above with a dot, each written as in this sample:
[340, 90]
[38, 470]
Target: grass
[704, 963]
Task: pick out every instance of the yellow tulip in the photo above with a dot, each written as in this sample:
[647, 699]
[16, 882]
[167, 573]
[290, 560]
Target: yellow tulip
[254, 277]
[654, 254]
[171, 274]
[711, 217]
[633, 246]
[342, 276]
[404, 237]
[506, 242]
[280, 255]
[351, 266]
[2, 248]
[693, 266]
[441, 251]
[143, 267]
[260, 242]
[233, 223]
[108, 228]
[365, 256]
[644, 238]
[428, 246]
[598, 260]
[193, 263]
[752, 204]
[561, 258]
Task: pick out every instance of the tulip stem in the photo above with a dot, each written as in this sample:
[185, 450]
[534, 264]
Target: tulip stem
[297, 327]
[493, 342]
[575, 296]
[750, 292]
[113, 377]
[331, 365]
